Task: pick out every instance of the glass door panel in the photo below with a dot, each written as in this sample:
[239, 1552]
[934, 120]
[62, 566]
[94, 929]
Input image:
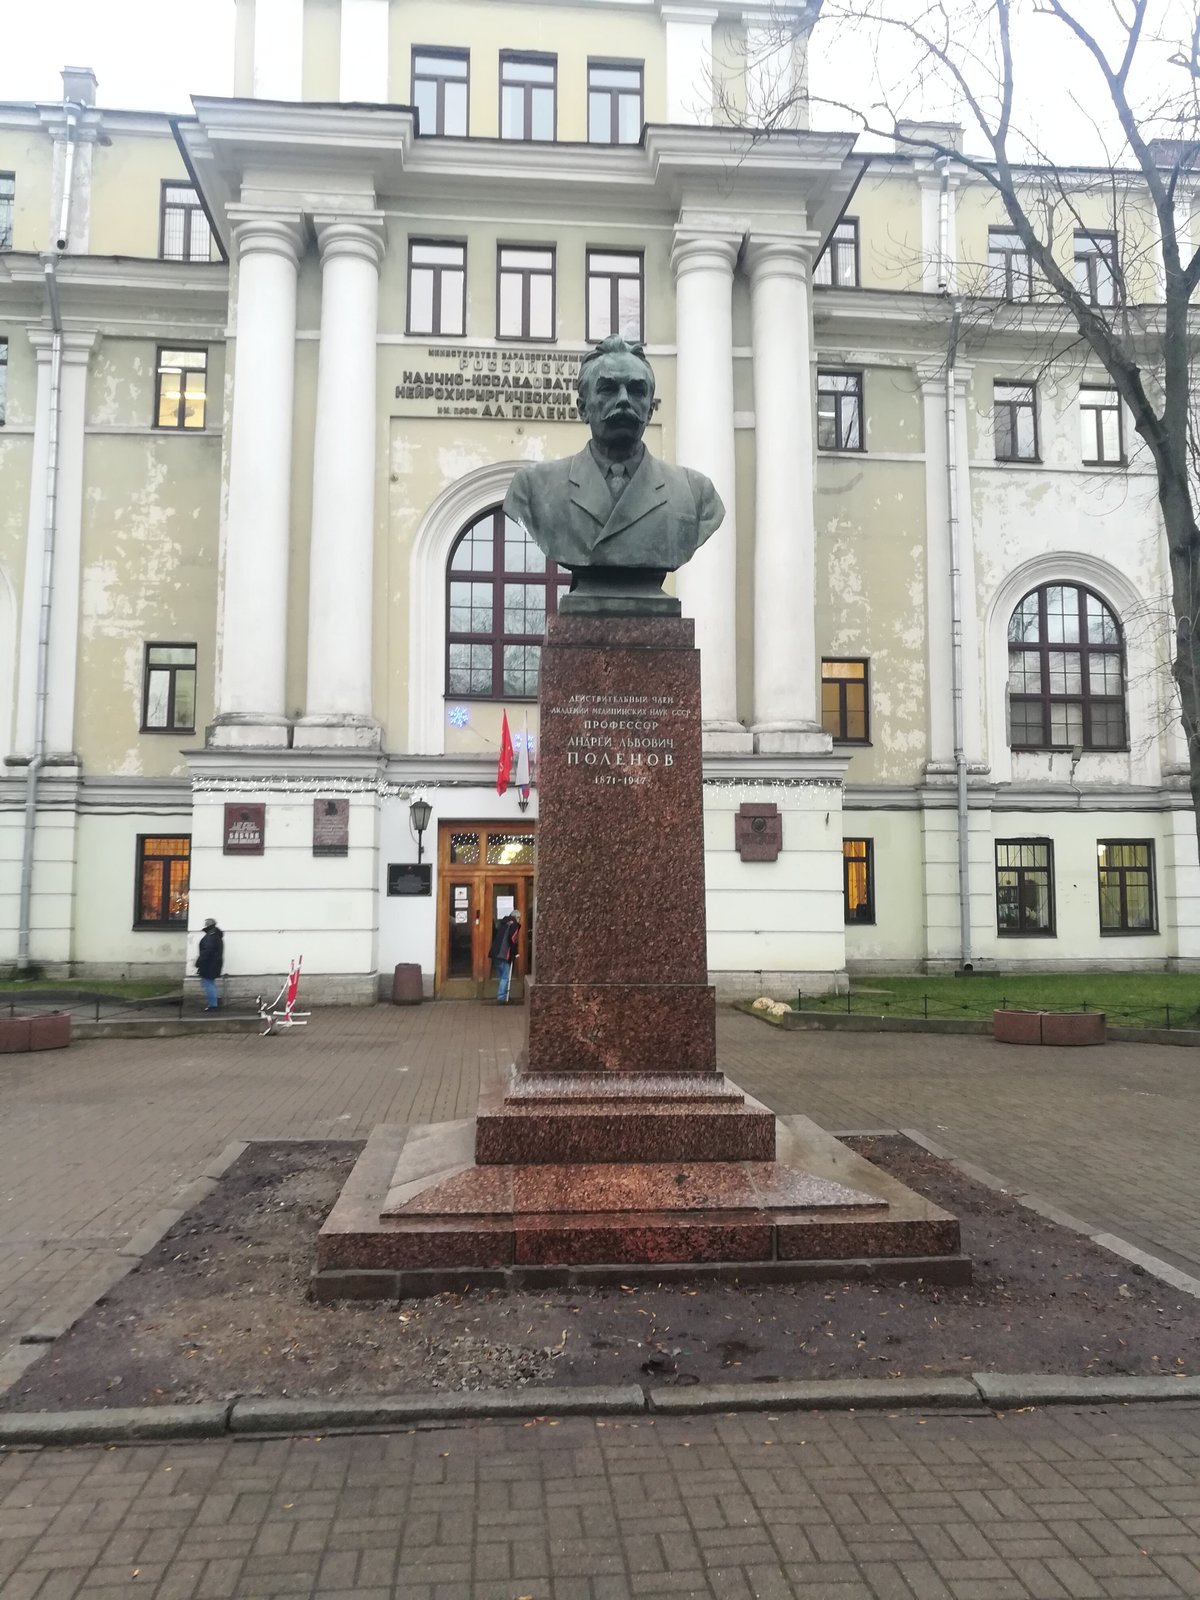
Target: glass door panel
[460, 961]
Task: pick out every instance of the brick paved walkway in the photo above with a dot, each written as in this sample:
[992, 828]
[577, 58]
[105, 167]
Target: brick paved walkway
[1039, 1506]
[94, 1140]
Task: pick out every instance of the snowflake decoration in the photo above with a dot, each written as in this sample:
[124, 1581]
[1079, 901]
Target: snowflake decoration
[458, 716]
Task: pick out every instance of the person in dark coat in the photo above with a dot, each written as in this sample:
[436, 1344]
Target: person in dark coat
[505, 941]
[209, 961]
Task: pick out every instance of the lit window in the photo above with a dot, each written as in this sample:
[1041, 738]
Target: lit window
[1066, 681]
[837, 265]
[182, 387]
[184, 233]
[169, 689]
[839, 410]
[500, 589]
[614, 102]
[1126, 873]
[844, 701]
[163, 872]
[1024, 886]
[441, 81]
[614, 295]
[858, 879]
[437, 287]
[526, 293]
[1102, 441]
[1014, 421]
[528, 91]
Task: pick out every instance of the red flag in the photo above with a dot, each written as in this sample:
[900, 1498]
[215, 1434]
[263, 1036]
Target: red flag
[504, 765]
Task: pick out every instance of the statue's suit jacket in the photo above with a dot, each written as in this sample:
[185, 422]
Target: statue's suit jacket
[661, 518]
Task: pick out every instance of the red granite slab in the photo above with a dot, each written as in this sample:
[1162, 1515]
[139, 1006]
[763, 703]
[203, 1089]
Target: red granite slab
[544, 1240]
[644, 1027]
[621, 827]
[633, 1130]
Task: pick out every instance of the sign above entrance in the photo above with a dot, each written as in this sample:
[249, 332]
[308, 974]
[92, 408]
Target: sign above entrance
[505, 385]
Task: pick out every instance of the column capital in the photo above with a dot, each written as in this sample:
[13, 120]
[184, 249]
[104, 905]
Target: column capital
[781, 255]
[705, 250]
[361, 235]
[683, 11]
[931, 377]
[77, 347]
[256, 232]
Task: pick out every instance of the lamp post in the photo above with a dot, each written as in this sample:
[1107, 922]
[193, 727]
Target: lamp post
[419, 813]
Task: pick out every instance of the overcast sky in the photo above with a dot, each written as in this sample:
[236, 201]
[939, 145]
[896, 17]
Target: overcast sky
[154, 54]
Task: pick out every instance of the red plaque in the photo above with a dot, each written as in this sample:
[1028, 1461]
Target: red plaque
[758, 832]
[245, 828]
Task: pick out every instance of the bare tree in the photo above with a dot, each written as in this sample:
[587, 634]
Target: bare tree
[1140, 87]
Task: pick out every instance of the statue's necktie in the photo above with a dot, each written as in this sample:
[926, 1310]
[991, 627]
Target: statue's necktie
[617, 480]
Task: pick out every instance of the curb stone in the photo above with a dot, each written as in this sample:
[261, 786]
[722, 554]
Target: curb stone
[1002, 1390]
[991, 1391]
[1175, 1277]
[116, 1426]
[368, 1411]
[819, 1394]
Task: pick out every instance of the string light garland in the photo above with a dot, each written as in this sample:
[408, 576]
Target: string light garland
[408, 791]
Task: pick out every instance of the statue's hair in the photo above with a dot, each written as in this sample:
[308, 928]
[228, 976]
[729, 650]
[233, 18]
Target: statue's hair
[612, 346]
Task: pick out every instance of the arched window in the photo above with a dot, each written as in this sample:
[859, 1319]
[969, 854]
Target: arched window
[1066, 676]
[500, 589]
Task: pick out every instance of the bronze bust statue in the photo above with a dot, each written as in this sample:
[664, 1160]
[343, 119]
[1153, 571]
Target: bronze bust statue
[613, 514]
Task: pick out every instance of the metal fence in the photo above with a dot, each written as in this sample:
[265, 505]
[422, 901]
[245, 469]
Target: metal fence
[980, 1008]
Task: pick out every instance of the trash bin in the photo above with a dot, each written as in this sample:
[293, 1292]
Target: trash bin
[407, 988]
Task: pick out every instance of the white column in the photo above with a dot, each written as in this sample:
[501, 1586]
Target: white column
[340, 589]
[364, 58]
[786, 716]
[775, 74]
[68, 519]
[254, 579]
[707, 585]
[278, 49]
[689, 63]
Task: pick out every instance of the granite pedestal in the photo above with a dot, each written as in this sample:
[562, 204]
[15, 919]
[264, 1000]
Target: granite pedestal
[615, 1142]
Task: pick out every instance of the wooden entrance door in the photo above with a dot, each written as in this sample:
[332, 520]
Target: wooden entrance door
[485, 869]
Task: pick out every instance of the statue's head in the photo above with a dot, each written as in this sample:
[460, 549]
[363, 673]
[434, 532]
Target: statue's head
[616, 392]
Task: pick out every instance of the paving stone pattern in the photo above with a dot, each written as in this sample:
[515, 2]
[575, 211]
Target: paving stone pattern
[1039, 1506]
[94, 1140]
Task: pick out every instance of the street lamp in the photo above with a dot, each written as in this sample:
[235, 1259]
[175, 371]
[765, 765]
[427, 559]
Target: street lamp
[419, 813]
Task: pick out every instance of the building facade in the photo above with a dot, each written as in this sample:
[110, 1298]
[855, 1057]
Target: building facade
[269, 368]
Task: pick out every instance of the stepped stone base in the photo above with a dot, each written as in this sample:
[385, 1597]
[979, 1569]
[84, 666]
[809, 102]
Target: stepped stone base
[418, 1215]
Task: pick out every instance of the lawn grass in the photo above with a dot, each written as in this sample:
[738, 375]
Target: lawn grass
[1130, 998]
[140, 989]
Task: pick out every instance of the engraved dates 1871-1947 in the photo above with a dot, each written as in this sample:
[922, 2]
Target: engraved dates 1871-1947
[623, 739]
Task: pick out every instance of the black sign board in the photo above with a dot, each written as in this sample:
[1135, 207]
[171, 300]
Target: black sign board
[408, 878]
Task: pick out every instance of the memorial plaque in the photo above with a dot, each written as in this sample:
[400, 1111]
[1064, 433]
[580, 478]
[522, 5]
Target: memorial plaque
[331, 827]
[523, 386]
[758, 832]
[405, 877]
[245, 829]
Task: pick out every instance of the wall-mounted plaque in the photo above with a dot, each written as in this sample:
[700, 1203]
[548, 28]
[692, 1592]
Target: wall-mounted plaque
[406, 877]
[758, 832]
[331, 827]
[245, 829]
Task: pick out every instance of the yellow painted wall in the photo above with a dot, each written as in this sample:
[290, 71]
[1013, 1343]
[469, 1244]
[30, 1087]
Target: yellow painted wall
[888, 208]
[28, 155]
[320, 72]
[127, 179]
[574, 34]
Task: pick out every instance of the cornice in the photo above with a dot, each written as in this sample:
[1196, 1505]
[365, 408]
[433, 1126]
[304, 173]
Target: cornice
[95, 287]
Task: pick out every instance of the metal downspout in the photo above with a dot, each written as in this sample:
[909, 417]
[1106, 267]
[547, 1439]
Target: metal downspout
[50, 525]
[954, 531]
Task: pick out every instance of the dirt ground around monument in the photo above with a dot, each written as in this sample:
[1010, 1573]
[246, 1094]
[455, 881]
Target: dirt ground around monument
[220, 1308]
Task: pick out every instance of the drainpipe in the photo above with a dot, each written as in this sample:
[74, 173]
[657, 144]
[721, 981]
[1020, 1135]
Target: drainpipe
[945, 284]
[50, 523]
